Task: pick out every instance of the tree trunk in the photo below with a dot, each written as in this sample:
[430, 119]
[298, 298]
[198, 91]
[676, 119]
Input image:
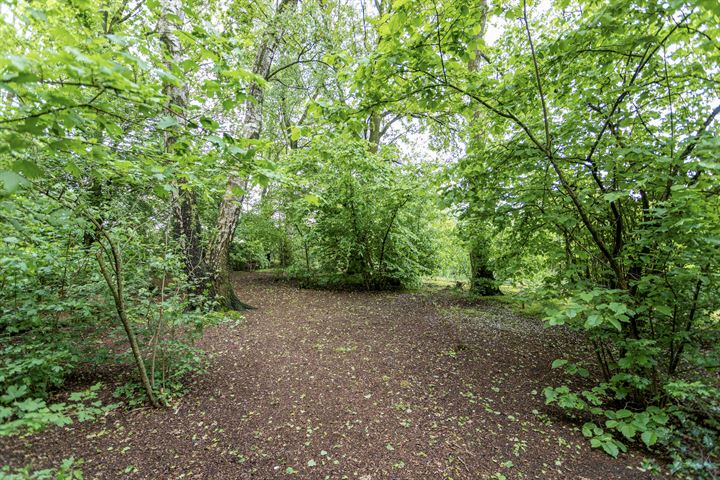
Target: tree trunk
[482, 278]
[230, 208]
[474, 63]
[186, 217]
[374, 133]
[223, 291]
[187, 230]
[218, 254]
[116, 289]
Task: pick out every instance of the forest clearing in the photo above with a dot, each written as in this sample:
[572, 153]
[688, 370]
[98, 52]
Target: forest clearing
[337, 384]
[359, 239]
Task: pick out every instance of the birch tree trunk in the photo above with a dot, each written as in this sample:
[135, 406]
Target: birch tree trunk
[230, 208]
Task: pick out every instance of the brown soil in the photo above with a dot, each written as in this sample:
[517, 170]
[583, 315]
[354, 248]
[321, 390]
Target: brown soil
[321, 384]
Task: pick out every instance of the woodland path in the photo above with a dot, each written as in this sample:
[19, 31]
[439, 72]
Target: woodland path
[322, 384]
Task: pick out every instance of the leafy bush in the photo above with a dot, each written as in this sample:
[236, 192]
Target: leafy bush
[68, 470]
[585, 160]
[648, 394]
[21, 412]
[57, 314]
[360, 216]
[248, 255]
[260, 241]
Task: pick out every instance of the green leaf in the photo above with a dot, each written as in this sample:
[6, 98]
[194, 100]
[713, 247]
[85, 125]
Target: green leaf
[167, 122]
[312, 199]
[611, 448]
[559, 363]
[612, 196]
[593, 321]
[209, 123]
[11, 181]
[72, 169]
[5, 412]
[587, 296]
[618, 308]
[615, 323]
[628, 430]
[27, 168]
[216, 140]
[30, 404]
[14, 392]
[649, 438]
[588, 428]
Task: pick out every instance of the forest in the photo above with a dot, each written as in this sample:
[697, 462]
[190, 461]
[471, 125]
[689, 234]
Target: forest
[360, 239]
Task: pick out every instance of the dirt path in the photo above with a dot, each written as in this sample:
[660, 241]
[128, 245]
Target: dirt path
[335, 385]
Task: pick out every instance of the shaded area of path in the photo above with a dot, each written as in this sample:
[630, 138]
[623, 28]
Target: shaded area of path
[319, 384]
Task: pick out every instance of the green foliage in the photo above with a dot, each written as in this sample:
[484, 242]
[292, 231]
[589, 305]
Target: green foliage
[23, 412]
[69, 469]
[360, 217]
[452, 261]
[581, 149]
[637, 370]
[83, 123]
[57, 314]
[249, 255]
[260, 242]
[587, 150]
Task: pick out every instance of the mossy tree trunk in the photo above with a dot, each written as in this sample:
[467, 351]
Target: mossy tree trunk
[482, 278]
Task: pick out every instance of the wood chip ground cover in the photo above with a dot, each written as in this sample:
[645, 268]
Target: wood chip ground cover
[323, 384]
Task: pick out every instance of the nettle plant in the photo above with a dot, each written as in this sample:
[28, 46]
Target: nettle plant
[24, 412]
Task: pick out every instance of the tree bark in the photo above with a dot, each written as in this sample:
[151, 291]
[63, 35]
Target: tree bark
[230, 207]
[482, 278]
[116, 289]
[186, 217]
[374, 132]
